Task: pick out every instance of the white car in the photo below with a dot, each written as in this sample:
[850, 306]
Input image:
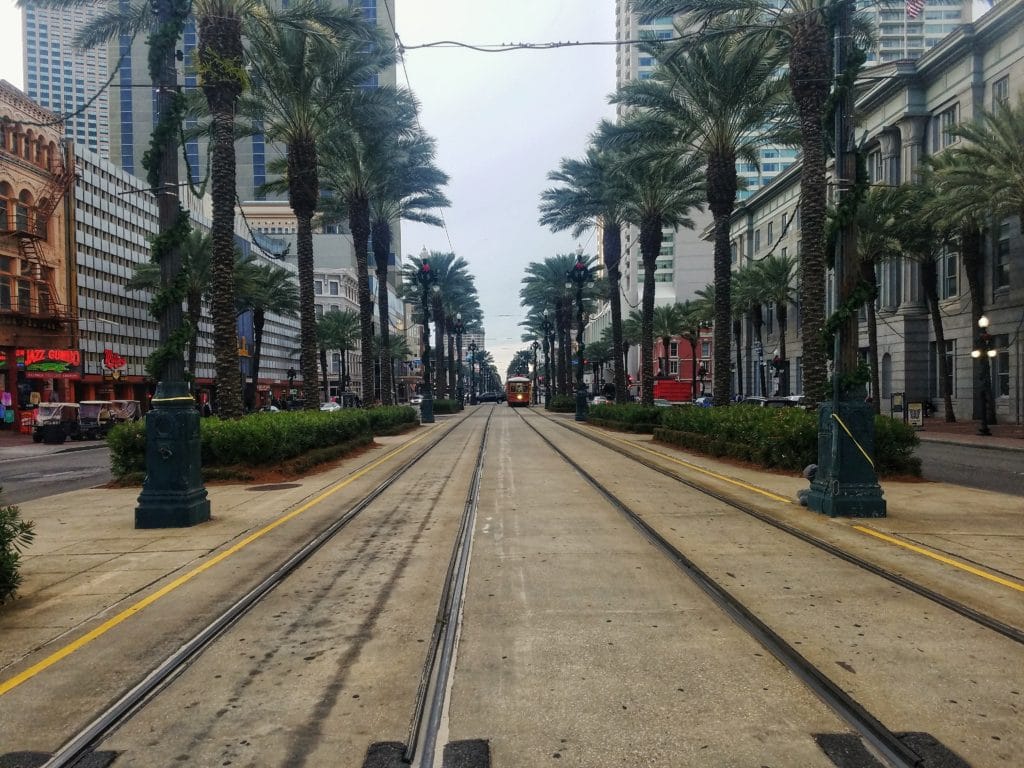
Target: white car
[599, 400]
[415, 400]
[331, 406]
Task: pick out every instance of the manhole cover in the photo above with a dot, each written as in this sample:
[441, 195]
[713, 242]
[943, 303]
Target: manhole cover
[274, 487]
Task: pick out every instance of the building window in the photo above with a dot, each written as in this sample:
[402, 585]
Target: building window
[785, 223]
[332, 287]
[1001, 365]
[1000, 92]
[875, 169]
[948, 273]
[933, 379]
[1001, 258]
[757, 240]
[673, 368]
[673, 349]
[942, 128]
[771, 227]
[705, 350]
[24, 296]
[5, 293]
[318, 287]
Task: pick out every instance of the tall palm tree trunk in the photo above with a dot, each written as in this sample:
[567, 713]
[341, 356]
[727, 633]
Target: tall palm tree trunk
[867, 272]
[929, 282]
[451, 365]
[439, 333]
[737, 335]
[359, 223]
[650, 246]
[259, 320]
[782, 316]
[194, 312]
[722, 185]
[810, 76]
[220, 50]
[612, 246]
[303, 191]
[381, 251]
[324, 371]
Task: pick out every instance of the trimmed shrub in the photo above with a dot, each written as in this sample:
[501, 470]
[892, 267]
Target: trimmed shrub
[445, 406]
[631, 417]
[779, 438]
[263, 439]
[15, 534]
[563, 404]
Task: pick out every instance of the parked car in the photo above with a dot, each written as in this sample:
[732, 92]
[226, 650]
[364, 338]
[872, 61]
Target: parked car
[56, 422]
[330, 406]
[599, 400]
[416, 400]
[704, 401]
[488, 397]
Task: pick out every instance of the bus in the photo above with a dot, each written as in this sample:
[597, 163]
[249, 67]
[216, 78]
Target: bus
[518, 391]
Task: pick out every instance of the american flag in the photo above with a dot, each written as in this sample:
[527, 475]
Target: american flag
[914, 8]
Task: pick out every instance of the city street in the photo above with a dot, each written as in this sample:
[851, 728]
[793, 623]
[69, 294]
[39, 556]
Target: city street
[29, 471]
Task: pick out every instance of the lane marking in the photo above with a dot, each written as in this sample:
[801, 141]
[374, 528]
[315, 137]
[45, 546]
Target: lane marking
[940, 558]
[12, 683]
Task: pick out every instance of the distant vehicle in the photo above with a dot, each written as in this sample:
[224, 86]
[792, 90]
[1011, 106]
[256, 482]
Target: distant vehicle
[94, 419]
[599, 400]
[768, 402]
[56, 422]
[705, 401]
[517, 391]
[330, 406]
[270, 409]
[125, 410]
[487, 397]
[662, 402]
[416, 400]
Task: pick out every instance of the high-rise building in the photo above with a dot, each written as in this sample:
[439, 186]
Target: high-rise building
[64, 79]
[904, 34]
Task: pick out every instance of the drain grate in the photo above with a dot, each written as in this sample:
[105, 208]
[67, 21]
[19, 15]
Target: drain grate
[273, 487]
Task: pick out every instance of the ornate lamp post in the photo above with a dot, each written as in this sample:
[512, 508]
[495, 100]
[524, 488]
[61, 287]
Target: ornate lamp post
[579, 276]
[472, 373]
[457, 327]
[534, 347]
[983, 351]
[428, 281]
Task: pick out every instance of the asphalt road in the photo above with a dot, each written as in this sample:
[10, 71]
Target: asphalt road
[33, 477]
[990, 469]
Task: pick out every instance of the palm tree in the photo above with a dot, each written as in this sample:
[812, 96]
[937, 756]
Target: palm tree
[802, 29]
[408, 188]
[694, 315]
[721, 98]
[337, 330]
[776, 275]
[195, 271]
[264, 288]
[302, 90]
[543, 288]
[658, 193]
[587, 197]
[749, 302]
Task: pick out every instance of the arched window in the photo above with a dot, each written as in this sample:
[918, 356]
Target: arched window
[21, 211]
[6, 193]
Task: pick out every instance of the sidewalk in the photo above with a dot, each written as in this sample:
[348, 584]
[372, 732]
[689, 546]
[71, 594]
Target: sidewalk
[1004, 436]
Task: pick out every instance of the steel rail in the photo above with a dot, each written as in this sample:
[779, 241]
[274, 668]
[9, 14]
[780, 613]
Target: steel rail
[85, 740]
[989, 622]
[422, 743]
[884, 741]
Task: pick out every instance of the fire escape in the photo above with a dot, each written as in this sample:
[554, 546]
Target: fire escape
[37, 303]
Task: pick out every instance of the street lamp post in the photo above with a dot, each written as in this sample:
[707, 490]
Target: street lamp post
[702, 372]
[428, 281]
[579, 276]
[457, 327]
[472, 373]
[548, 329]
[984, 351]
[534, 347]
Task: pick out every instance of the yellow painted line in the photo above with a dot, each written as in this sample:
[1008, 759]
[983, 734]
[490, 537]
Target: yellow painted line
[940, 558]
[67, 650]
[696, 468]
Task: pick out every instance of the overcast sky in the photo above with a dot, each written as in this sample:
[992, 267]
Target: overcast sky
[501, 120]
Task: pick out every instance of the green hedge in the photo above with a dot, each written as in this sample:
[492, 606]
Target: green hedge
[631, 417]
[446, 406]
[562, 404]
[264, 439]
[781, 438]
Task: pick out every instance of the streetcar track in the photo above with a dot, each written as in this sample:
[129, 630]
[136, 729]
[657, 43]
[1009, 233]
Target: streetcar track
[87, 739]
[848, 709]
[1002, 628]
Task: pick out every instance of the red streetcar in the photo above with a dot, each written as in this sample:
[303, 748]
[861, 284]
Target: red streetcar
[518, 391]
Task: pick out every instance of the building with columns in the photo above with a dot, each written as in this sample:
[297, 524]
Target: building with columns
[904, 114]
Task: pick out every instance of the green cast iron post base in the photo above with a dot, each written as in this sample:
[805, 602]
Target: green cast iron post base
[427, 409]
[172, 495]
[581, 403]
[845, 484]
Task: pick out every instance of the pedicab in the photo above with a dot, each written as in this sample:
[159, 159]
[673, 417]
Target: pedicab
[56, 422]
